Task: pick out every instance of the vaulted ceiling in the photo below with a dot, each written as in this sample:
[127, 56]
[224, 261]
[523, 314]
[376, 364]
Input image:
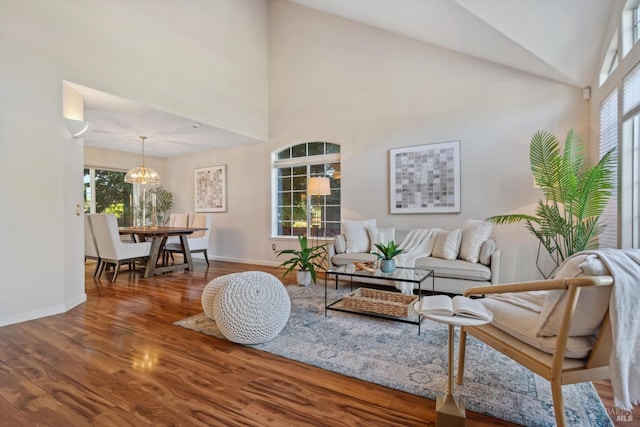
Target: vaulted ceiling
[556, 39]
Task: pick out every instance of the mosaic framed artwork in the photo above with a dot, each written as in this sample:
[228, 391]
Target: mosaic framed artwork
[425, 178]
[211, 189]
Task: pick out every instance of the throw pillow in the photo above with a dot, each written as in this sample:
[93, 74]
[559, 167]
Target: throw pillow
[447, 244]
[356, 235]
[487, 249]
[474, 234]
[592, 303]
[340, 244]
[380, 235]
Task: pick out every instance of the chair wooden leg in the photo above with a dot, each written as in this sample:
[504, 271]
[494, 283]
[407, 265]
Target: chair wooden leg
[101, 269]
[558, 403]
[461, 352]
[98, 264]
[206, 258]
[115, 271]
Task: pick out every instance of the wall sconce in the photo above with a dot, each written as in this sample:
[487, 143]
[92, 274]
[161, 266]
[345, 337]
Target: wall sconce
[78, 128]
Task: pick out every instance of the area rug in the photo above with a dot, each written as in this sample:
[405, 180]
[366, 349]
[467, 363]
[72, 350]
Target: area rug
[392, 354]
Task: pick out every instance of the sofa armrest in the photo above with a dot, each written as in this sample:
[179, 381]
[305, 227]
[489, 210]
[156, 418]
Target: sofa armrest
[495, 266]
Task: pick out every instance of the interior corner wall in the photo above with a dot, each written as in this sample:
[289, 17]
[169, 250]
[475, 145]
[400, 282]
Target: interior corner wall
[202, 60]
[369, 90]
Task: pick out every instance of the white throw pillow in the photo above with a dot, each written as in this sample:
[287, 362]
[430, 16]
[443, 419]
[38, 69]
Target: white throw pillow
[487, 249]
[592, 305]
[340, 244]
[380, 235]
[447, 244]
[474, 234]
[357, 236]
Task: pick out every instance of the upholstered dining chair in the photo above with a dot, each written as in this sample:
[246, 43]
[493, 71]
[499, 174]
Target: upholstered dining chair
[112, 250]
[90, 246]
[566, 339]
[199, 240]
[175, 220]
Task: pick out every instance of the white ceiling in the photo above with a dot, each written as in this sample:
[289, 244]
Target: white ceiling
[556, 39]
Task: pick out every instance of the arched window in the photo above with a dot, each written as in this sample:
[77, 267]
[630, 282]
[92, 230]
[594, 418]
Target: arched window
[295, 214]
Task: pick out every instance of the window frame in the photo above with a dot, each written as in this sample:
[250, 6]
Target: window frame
[308, 162]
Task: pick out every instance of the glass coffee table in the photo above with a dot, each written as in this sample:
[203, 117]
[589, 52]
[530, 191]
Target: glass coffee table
[378, 282]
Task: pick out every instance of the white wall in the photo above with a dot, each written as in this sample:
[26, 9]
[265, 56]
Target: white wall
[368, 90]
[203, 60]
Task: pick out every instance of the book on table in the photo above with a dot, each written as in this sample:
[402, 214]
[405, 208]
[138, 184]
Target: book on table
[443, 305]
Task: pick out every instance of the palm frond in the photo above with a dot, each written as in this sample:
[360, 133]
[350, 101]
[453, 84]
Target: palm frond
[575, 194]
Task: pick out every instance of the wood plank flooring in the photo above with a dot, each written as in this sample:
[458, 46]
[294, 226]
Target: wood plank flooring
[118, 360]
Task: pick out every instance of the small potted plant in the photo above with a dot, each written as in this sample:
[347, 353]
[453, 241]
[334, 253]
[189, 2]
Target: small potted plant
[307, 260]
[386, 254]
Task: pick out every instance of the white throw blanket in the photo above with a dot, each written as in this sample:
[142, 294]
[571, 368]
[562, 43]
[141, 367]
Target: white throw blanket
[417, 244]
[624, 311]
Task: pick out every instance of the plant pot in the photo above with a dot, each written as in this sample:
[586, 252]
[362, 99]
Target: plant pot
[303, 277]
[388, 265]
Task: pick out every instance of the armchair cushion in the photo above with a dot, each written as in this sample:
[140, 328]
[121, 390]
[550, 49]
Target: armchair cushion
[522, 323]
[592, 305]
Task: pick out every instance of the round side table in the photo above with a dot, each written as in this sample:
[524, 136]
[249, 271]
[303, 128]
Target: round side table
[450, 408]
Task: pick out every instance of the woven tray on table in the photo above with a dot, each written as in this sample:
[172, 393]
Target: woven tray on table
[380, 302]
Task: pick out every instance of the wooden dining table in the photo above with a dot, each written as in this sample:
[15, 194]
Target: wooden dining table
[158, 236]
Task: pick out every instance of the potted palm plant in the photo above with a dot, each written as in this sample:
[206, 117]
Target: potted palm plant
[307, 260]
[575, 191]
[386, 253]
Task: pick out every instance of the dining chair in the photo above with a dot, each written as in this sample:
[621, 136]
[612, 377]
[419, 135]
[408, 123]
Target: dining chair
[112, 250]
[90, 246]
[199, 240]
[175, 220]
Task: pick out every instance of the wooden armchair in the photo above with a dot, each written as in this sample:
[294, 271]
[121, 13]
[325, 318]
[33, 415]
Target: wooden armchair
[556, 368]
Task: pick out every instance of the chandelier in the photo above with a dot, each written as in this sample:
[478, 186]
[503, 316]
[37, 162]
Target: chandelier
[142, 174]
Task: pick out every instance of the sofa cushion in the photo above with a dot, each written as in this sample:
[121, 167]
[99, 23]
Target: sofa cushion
[351, 257]
[355, 232]
[521, 323]
[456, 269]
[592, 305]
[340, 244]
[447, 244]
[474, 234]
[486, 251]
[380, 235]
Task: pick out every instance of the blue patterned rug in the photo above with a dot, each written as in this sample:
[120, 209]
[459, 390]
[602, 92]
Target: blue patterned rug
[392, 354]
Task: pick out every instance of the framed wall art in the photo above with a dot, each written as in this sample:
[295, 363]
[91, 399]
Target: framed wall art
[425, 178]
[211, 189]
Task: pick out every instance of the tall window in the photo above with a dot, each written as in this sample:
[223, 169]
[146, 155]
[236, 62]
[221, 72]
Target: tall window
[629, 165]
[294, 213]
[106, 192]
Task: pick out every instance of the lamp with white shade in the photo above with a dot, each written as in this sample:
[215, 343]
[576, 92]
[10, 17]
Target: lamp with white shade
[318, 186]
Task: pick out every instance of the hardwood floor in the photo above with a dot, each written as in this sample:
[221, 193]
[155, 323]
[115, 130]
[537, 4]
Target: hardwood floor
[118, 360]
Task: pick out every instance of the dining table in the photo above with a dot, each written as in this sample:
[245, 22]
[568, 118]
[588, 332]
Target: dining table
[158, 236]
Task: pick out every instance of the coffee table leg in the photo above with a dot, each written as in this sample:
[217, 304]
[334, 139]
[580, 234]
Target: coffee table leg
[449, 408]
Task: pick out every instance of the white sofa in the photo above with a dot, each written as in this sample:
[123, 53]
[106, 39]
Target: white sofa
[453, 274]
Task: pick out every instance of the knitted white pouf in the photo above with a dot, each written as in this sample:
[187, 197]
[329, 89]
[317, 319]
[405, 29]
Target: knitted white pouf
[211, 291]
[252, 308]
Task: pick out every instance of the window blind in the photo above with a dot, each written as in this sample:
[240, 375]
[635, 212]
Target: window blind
[631, 90]
[609, 140]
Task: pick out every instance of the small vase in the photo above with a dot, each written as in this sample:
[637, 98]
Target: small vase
[388, 265]
[303, 277]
